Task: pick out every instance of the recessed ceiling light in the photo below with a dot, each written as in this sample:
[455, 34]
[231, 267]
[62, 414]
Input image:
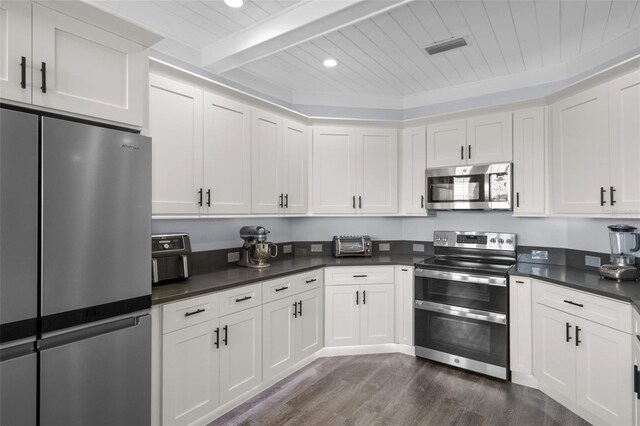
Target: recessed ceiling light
[234, 3]
[330, 63]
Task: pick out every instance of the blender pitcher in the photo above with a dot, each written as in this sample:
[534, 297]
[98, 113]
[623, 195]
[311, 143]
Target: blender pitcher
[624, 240]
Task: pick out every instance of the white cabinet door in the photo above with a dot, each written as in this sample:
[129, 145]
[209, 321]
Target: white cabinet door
[175, 125]
[414, 165]
[446, 144]
[404, 305]
[227, 155]
[240, 353]
[342, 315]
[554, 351]
[520, 325]
[266, 165]
[604, 380]
[309, 323]
[636, 371]
[295, 170]
[279, 348]
[334, 170]
[489, 139]
[528, 161]
[624, 128]
[377, 170]
[190, 373]
[581, 153]
[15, 49]
[377, 314]
[89, 71]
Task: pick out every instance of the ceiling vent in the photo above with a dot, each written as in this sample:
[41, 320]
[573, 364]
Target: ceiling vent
[443, 46]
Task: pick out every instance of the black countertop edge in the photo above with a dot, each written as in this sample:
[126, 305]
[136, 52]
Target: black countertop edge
[235, 276]
[579, 279]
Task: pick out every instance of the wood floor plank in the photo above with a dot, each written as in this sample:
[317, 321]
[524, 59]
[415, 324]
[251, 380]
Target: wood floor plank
[395, 389]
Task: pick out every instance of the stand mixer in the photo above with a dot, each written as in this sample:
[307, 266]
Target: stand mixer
[624, 240]
[256, 250]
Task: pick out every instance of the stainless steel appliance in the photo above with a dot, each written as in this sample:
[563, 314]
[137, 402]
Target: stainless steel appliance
[351, 245]
[624, 241]
[76, 285]
[256, 250]
[461, 301]
[170, 258]
[486, 187]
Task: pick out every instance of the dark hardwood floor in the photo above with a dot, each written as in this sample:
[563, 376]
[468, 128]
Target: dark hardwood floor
[395, 389]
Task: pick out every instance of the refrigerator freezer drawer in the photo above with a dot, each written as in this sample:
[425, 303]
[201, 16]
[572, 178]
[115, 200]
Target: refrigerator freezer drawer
[98, 375]
[18, 390]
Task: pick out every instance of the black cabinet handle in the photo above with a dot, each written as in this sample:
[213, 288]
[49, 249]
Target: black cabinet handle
[578, 341]
[300, 311]
[226, 335]
[197, 311]
[200, 197]
[568, 332]
[574, 303]
[23, 72]
[462, 152]
[359, 201]
[422, 201]
[602, 191]
[311, 281]
[517, 199]
[208, 197]
[364, 297]
[611, 196]
[286, 201]
[360, 276]
[357, 297]
[44, 77]
[243, 299]
[295, 309]
[281, 200]
[281, 288]
[353, 202]
[405, 270]
[519, 282]
[217, 337]
[469, 152]
[636, 381]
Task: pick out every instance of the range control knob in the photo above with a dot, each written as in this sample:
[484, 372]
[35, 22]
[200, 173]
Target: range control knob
[500, 241]
[166, 246]
[493, 240]
[509, 241]
[368, 244]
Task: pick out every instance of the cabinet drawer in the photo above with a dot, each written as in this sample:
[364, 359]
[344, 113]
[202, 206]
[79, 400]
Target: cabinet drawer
[601, 310]
[240, 298]
[278, 288]
[349, 275]
[188, 312]
[308, 280]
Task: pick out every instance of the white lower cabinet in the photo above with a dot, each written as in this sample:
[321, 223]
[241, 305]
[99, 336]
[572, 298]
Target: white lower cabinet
[520, 343]
[404, 304]
[583, 364]
[342, 315]
[376, 314]
[636, 378]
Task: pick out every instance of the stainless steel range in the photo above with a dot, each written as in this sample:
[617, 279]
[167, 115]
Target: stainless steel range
[461, 301]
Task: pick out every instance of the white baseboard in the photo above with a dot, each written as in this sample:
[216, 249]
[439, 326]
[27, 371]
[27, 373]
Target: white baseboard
[385, 348]
[524, 380]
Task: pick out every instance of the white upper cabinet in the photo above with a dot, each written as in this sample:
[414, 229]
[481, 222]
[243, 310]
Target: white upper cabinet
[529, 161]
[15, 51]
[377, 170]
[175, 124]
[334, 170]
[478, 140]
[414, 164]
[581, 153]
[227, 155]
[355, 170]
[624, 135]
[295, 160]
[446, 144]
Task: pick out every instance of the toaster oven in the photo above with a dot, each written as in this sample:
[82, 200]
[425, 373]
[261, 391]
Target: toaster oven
[351, 245]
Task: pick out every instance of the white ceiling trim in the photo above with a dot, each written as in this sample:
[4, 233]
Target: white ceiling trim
[293, 26]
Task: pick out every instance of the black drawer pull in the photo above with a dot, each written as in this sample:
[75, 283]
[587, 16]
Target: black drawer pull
[574, 303]
[44, 77]
[281, 200]
[469, 154]
[568, 332]
[520, 282]
[360, 276]
[311, 281]
[611, 196]
[517, 199]
[404, 270]
[23, 72]
[295, 309]
[364, 297]
[300, 311]
[602, 191]
[200, 197]
[226, 335]
[217, 337]
[208, 198]
[357, 298]
[578, 341]
[243, 299]
[353, 202]
[462, 152]
[281, 288]
[197, 311]
[422, 201]
[359, 201]
[286, 201]
[636, 381]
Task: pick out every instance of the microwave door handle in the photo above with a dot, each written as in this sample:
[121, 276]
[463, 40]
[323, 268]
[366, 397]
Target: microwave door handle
[185, 265]
[154, 270]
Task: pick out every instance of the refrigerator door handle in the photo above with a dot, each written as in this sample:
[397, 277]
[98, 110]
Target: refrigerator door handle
[17, 351]
[88, 332]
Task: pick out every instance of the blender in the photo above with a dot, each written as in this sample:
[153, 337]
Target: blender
[624, 240]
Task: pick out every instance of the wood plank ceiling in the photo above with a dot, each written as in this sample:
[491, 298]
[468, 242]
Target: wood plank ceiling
[384, 53]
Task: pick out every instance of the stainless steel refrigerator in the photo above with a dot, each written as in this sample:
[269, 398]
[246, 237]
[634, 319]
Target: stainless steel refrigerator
[75, 280]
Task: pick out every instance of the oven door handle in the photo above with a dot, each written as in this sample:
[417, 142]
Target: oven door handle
[461, 312]
[462, 276]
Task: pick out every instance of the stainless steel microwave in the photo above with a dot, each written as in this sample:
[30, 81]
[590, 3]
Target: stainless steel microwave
[484, 187]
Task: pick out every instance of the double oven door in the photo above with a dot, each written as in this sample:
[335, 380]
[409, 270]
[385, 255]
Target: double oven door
[461, 319]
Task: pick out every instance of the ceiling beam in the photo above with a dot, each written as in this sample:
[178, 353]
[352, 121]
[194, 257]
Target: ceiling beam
[295, 25]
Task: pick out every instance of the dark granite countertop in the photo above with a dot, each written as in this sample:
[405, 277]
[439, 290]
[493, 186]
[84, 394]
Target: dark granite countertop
[221, 279]
[580, 279]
